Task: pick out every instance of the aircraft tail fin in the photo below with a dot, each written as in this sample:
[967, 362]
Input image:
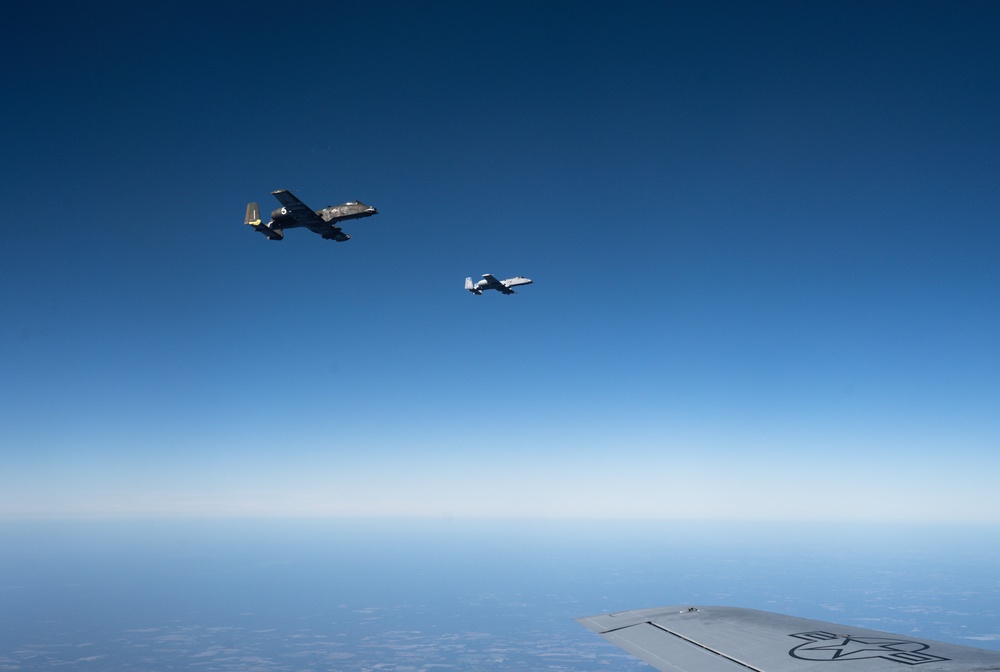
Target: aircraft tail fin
[253, 215]
[472, 288]
[253, 219]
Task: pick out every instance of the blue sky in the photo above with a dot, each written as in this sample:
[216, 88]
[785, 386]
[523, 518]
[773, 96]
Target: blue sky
[763, 237]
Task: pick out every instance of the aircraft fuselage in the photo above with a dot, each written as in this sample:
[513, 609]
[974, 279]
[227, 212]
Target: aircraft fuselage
[282, 217]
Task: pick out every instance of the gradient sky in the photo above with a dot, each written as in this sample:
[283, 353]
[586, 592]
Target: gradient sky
[764, 239]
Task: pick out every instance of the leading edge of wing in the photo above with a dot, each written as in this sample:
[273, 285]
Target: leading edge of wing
[300, 212]
[287, 198]
[733, 639]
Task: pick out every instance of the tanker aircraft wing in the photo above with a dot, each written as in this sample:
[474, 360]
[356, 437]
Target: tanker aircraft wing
[732, 639]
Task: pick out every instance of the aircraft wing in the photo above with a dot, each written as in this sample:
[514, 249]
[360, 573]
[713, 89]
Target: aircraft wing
[300, 212]
[496, 284]
[731, 639]
[304, 216]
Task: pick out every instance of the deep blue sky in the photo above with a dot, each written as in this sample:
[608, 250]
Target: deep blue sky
[763, 237]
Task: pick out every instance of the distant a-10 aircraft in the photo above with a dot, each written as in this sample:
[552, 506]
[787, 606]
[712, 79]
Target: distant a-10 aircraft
[732, 639]
[294, 213]
[490, 282]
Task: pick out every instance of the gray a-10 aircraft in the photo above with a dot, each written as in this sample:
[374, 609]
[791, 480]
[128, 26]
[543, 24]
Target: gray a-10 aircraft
[490, 282]
[294, 213]
[732, 639]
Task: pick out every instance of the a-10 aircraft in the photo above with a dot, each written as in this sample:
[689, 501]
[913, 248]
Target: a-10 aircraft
[732, 639]
[294, 213]
[490, 282]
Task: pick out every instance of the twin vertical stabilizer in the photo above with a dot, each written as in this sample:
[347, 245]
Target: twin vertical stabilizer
[253, 215]
[253, 219]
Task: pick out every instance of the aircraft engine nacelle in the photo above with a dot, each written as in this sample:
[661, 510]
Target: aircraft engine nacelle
[281, 213]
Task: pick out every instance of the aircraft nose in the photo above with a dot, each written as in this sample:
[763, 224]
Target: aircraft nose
[372, 210]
